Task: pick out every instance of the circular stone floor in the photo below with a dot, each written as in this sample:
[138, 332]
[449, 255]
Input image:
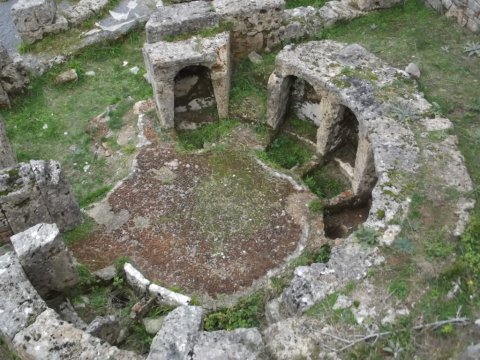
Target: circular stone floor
[211, 222]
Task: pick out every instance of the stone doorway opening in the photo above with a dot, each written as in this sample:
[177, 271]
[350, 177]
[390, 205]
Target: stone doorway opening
[194, 98]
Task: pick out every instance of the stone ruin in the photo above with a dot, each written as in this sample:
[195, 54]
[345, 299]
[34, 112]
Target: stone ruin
[34, 19]
[13, 78]
[347, 92]
[33, 192]
[465, 12]
[165, 62]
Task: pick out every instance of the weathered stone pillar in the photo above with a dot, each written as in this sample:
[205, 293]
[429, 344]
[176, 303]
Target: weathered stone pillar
[220, 74]
[37, 192]
[45, 258]
[20, 199]
[278, 93]
[364, 176]
[7, 157]
[328, 133]
[56, 192]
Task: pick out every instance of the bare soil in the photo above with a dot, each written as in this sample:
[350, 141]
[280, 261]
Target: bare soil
[216, 225]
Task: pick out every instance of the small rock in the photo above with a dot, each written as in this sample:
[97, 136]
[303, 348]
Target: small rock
[255, 57]
[413, 70]
[472, 352]
[66, 77]
[164, 175]
[153, 325]
[90, 73]
[134, 70]
[107, 273]
[342, 302]
[106, 328]
[164, 295]
[135, 278]
[141, 308]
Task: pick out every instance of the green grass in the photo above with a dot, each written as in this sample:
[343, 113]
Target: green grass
[324, 310]
[38, 120]
[248, 94]
[80, 232]
[325, 182]
[308, 257]
[247, 313]
[316, 206]
[302, 127]
[287, 151]
[209, 133]
[290, 4]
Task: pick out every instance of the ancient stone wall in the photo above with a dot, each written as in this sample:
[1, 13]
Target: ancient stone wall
[36, 192]
[7, 156]
[13, 78]
[465, 12]
[36, 18]
[251, 21]
[36, 332]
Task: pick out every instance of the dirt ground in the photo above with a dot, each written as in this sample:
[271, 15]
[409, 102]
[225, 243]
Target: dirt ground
[211, 222]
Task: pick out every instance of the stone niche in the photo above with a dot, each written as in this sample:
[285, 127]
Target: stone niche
[36, 192]
[298, 88]
[189, 75]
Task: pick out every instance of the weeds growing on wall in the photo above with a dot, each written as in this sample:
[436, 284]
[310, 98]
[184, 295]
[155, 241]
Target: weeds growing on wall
[247, 313]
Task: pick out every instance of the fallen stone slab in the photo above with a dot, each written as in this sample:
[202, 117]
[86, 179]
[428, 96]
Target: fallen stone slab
[135, 278]
[180, 19]
[36, 18]
[164, 295]
[45, 258]
[178, 335]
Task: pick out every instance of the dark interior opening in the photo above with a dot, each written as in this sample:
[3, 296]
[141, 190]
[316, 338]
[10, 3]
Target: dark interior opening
[300, 118]
[342, 220]
[194, 96]
[347, 130]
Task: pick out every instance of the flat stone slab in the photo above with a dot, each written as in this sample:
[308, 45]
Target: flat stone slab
[20, 303]
[232, 8]
[179, 19]
[178, 334]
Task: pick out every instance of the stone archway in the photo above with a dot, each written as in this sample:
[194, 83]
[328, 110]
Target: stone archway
[341, 136]
[165, 60]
